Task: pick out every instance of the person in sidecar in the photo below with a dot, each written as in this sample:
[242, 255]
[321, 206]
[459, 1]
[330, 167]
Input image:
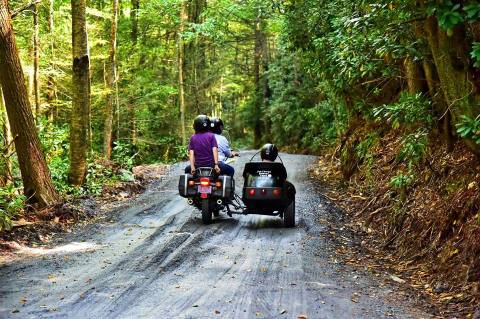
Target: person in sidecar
[224, 150]
[269, 153]
[203, 148]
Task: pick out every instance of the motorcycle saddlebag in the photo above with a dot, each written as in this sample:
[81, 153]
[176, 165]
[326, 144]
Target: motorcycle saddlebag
[183, 188]
[227, 188]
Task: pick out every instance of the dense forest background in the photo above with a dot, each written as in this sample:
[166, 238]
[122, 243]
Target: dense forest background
[389, 89]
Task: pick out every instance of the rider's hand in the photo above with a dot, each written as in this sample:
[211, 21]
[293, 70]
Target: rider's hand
[217, 169]
[235, 153]
[192, 170]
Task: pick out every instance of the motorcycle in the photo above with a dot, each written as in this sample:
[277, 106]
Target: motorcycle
[208, 192]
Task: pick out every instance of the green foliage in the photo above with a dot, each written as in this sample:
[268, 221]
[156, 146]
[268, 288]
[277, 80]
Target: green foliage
[469, 127]
[363, 149]
[11, 204]
[123, 155]
[410, 110]
[414, 148]
[401, 181]
[475, 54]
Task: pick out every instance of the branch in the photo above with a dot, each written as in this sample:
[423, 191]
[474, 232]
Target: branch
[25, 7]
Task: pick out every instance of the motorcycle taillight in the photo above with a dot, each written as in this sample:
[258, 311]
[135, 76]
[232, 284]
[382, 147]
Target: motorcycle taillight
[204, 181]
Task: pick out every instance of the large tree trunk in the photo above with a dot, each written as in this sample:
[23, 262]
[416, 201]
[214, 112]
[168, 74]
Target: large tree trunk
[111, 80]
[80, 118]
[181, 90]
[36, 63]
[450, 54]
[37, 183]
[5, 162]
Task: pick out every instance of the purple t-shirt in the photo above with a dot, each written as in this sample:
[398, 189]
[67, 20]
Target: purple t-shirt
[201, 144]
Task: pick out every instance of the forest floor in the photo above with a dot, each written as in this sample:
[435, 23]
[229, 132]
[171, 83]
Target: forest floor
[33, 230]
[152, 257]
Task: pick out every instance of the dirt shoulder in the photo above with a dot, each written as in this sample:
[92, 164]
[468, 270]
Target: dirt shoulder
[35, 230]
[427, 233]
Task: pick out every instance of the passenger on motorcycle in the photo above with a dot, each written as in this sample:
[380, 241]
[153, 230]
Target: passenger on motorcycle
[269, 153]
[224, 151]
[203, 148]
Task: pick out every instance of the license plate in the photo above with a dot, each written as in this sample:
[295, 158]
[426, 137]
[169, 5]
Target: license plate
[205, 189]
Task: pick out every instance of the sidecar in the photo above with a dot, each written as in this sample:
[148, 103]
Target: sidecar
[266, 191]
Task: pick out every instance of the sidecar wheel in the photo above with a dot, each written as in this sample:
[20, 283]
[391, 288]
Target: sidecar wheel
[289, 215]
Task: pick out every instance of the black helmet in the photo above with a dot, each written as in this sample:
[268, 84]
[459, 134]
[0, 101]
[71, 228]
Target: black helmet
[269, 152]
[216, 125]
[201, 123]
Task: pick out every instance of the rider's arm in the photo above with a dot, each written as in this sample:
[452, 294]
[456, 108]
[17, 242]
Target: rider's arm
[227, 151]
[191, 156]
[215, 158]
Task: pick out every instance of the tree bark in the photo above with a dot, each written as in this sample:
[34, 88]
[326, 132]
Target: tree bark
[37, 182]
[450, 54]
[36, 61]
[131, 102]
[134, 20]
[111, 77]
[181, 89]
[5, 162]
[415, 77]
[80, 118]
[259, 90]
[51, 84]
[439, 104]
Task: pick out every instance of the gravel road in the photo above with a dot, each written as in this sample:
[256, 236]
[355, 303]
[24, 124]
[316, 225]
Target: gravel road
[153, 258]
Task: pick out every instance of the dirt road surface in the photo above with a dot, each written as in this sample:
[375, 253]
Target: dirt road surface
[153, 258]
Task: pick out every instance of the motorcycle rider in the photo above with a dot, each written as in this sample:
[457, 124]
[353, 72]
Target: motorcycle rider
[269, 153]
[224, 151]
[203, 148]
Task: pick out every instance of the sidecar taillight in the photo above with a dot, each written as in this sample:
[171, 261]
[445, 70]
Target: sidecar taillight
[191, 183]
[218, 184]
[205, 181]
[277, 192]
[251, 191]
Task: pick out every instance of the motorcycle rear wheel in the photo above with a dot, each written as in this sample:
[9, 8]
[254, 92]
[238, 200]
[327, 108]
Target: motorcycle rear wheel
[206, 213]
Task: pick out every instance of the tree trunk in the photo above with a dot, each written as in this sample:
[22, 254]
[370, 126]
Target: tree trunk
[450, 54]
[134, 20]
[36, 60]
[111, 80]
[37, 183]
[5, 162]
[51, 84]
[258, 98]
[181, 91]
[131, 103]
[80, 118]
[195, 79]
[415, 78]
[439, 104]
